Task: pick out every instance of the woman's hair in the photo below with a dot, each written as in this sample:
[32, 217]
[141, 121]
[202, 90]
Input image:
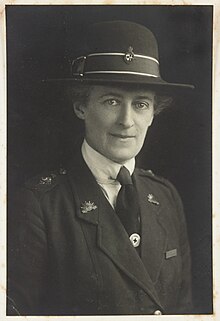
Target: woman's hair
[161, 103]
[81, 92]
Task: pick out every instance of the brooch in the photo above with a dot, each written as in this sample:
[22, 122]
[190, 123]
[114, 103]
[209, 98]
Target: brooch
[88, 206]
[151, 199]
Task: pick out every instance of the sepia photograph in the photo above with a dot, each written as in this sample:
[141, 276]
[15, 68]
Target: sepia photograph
[109, 160]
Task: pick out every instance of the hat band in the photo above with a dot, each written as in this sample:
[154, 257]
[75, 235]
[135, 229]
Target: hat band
[119, 54]
[116, 63]
[119, 72]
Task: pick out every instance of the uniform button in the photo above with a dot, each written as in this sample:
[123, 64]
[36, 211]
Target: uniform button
[157, 312]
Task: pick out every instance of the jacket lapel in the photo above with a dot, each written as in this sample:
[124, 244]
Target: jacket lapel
[153, 227]
[112, 238]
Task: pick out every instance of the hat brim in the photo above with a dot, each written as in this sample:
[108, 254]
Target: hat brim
[156, 83]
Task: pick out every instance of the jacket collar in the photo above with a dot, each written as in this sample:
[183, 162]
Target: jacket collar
[84, 187]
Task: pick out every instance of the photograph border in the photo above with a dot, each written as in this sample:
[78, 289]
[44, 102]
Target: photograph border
[216, 161]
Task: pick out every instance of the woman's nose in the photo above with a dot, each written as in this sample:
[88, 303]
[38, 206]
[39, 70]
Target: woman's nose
[125, 118]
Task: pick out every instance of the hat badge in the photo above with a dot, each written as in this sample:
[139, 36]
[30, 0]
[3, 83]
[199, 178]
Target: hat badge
[129, 55]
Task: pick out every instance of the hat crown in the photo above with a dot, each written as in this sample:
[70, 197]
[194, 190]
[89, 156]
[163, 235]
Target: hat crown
[118, 36]
[120, 52]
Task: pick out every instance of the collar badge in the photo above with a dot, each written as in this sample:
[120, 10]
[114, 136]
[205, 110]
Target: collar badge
[129, 55]
[87, 207]
[151, 199]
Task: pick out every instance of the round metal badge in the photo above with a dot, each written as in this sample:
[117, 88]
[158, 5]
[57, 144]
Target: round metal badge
[135, 239]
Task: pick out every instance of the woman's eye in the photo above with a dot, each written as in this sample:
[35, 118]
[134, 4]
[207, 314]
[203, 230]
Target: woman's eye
[142, 105]
[112, 102]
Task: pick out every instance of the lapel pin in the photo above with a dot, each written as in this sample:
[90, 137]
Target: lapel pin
[151, 199]
[87, 207]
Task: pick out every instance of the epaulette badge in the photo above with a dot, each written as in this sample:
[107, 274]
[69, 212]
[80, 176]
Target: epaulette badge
[45, 182]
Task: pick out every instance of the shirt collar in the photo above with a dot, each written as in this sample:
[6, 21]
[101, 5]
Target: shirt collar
[104, 170]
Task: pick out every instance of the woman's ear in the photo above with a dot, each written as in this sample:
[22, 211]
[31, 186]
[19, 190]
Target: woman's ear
[79, 110]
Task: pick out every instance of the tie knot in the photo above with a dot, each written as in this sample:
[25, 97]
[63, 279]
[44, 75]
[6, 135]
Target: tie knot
[124, 176]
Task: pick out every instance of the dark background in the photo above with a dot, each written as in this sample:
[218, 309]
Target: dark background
[42, 40]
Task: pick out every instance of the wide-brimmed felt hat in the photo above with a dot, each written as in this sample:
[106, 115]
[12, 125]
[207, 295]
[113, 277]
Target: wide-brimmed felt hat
[120, 52]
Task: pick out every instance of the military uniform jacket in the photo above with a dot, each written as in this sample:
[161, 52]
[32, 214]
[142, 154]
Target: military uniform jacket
[65, 260]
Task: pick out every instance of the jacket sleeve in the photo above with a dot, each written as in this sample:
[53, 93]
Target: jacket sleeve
[27, 255]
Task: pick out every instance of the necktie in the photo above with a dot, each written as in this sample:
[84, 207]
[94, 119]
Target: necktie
[127, 202]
